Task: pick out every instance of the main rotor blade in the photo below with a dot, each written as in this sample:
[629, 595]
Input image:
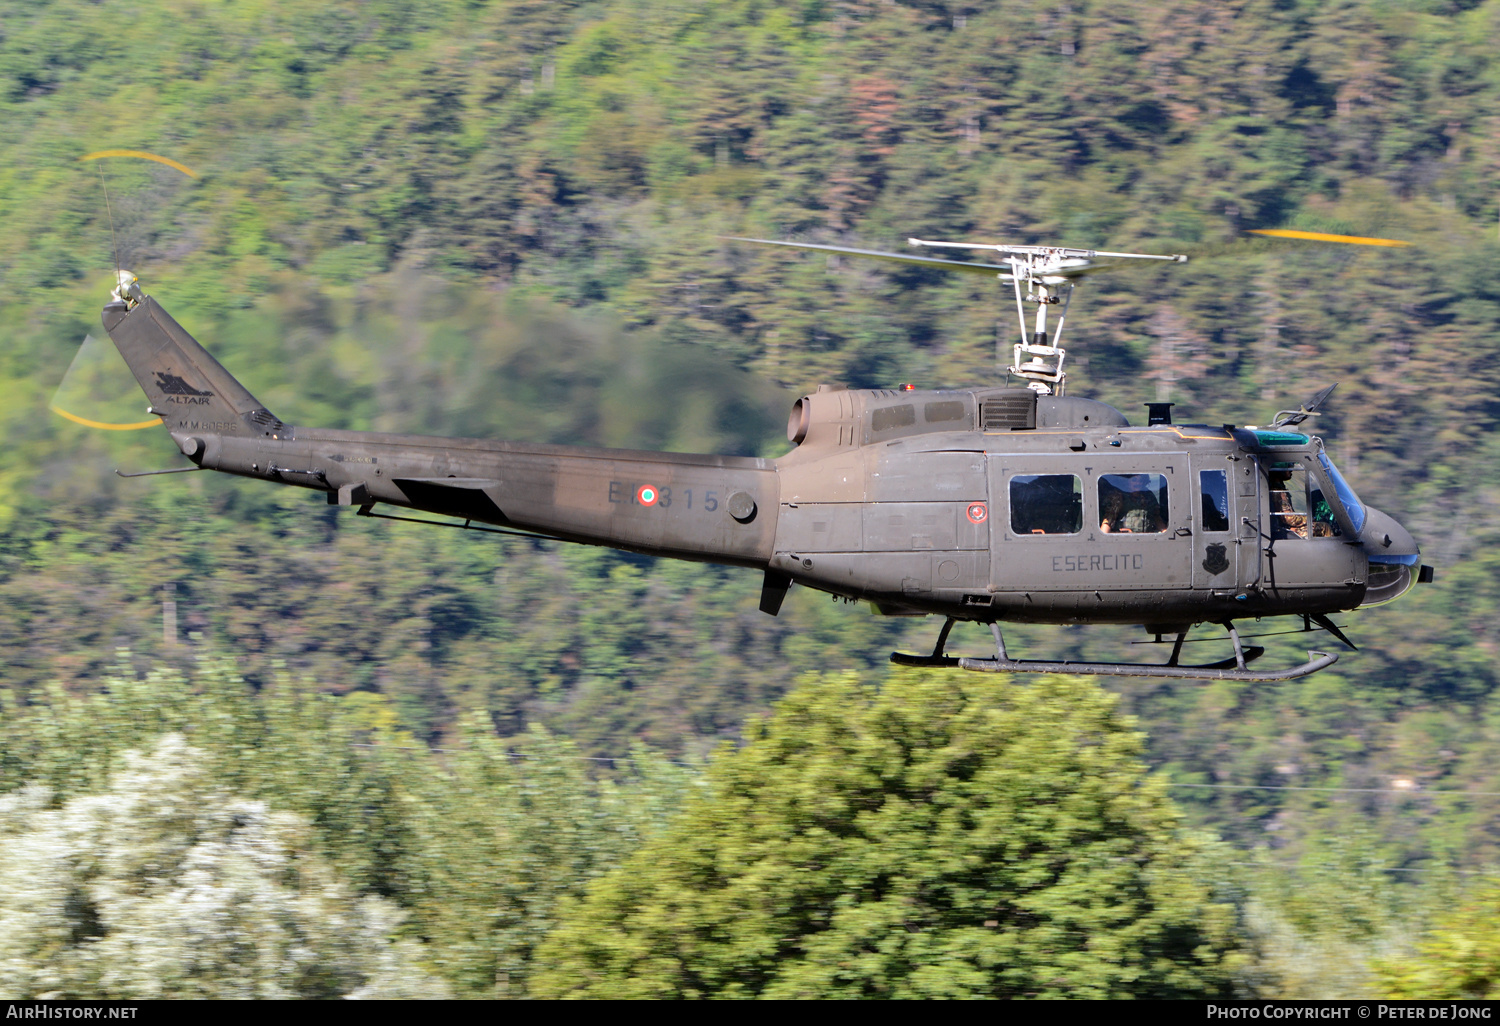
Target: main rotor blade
[1062, 252]
[1260, 242]
[999, 270]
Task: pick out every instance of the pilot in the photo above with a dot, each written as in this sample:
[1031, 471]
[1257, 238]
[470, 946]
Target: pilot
[1323, 524]
[1131, 507]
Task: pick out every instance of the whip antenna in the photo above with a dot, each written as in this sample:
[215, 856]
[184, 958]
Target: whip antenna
[126, 289]
[114, 245]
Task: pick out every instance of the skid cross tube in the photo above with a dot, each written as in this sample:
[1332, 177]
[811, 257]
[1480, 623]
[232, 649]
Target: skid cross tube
[937, 658]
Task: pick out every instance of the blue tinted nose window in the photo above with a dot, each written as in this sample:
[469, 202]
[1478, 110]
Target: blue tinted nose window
[1352, 505]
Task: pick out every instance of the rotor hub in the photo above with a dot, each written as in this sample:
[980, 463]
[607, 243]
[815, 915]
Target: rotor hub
[1045, 271]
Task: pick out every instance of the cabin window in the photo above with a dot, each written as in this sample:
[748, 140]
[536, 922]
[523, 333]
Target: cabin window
[1046, 504]
[1214, 485]
[893, 417]
[944, 412]
[1298, 508]
[1132, 503]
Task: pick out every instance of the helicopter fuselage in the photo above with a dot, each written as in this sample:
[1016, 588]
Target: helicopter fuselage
[997, 504]
[980, 504]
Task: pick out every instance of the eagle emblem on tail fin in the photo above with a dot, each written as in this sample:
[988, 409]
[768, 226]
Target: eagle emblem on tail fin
[171, 384]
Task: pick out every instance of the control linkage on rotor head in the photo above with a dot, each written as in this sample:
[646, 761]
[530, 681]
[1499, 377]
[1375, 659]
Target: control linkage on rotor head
[1048, 272]
[1045, 271]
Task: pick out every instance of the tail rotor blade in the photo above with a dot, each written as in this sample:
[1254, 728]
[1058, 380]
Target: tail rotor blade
[99, 392]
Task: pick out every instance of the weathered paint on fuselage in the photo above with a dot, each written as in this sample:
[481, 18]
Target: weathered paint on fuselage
[900, 498]
[888, 519]
[572, 493]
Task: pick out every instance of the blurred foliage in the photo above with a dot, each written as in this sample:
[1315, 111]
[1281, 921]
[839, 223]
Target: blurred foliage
[605, 647]
[1316, 930]
[474, 844]
[1459, 957]
[504, 218]
[935, 836]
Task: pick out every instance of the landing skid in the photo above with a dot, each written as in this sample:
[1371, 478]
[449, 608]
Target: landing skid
[1234, 668]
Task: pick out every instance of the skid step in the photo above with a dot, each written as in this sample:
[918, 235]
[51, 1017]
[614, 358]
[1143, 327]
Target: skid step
[1315, 661]
[1234, 668]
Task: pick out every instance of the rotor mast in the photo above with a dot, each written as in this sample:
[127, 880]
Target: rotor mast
[1049, 274]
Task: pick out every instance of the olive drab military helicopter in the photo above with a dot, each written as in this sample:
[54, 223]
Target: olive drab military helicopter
[987, 504]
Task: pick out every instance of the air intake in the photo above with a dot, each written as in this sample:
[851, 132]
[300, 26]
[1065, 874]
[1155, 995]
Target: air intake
[266, 419]
[1013, 412]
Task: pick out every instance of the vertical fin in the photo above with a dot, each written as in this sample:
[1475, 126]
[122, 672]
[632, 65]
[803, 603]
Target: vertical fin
[185, 384]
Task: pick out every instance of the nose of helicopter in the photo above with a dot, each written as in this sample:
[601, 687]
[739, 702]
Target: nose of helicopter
[1395, 559]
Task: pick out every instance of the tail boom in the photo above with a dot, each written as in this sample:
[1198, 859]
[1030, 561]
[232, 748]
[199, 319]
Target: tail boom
[719, 509]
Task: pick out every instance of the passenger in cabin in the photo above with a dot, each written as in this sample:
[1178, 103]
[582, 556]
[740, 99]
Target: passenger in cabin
[1286, 520]
[1128, 504]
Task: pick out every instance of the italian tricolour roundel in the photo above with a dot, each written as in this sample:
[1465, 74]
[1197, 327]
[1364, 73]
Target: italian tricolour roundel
[978, 512]
[647, 495]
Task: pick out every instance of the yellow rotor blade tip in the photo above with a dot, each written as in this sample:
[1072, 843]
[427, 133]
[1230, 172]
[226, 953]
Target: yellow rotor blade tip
[100, 424]
[142, 155]
[1354, 240]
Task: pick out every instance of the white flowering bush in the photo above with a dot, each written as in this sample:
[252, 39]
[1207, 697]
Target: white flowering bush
[164, 887]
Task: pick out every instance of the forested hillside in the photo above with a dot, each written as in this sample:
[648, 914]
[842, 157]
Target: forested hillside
[504, 219]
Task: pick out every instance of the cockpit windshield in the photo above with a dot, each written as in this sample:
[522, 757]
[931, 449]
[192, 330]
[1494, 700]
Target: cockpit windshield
[1352, 505]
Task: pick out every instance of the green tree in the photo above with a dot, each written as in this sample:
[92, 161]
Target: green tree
[1318, 928]
[942, 836]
